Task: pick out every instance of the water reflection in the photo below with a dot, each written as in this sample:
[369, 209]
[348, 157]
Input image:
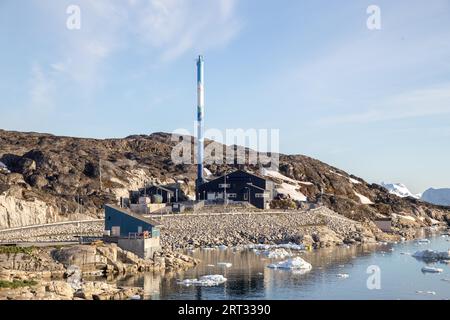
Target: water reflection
[249, 277]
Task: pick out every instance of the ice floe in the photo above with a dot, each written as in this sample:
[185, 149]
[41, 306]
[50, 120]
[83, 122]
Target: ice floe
[296, 263]
[225, 264]
[343, 275]
[278, 253]
[206, 281]
[287, 246]
[432, 269]
[432, 255]
[423, 241]
[426, 292]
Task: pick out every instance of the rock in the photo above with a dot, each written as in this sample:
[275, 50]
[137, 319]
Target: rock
[81, 255]
[73, 275]
[37, 180]
[60, 288]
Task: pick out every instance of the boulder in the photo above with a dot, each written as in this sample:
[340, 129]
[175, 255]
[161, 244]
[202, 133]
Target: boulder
[37, 181]
[81, 255]
[60, 288]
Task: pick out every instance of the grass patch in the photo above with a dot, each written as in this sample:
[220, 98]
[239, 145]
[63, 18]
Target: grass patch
[17, 284]
[14, 249]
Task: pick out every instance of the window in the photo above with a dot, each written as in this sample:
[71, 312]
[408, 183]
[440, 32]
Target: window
[223, 185]
[261, 195]
[231, 195]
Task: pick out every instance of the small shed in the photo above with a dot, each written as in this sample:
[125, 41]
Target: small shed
[132, 232]
[124, 223]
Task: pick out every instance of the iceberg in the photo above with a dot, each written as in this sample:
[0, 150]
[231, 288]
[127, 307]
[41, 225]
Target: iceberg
[274, 254]
[225, 264]
[206, 281]
[432, 270]
[287, 246]
[432, 255]
[292, 264]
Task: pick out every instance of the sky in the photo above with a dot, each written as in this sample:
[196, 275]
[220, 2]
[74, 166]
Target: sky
[375, 103]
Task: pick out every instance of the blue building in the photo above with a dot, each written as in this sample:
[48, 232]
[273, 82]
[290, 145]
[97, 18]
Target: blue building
[123, 223]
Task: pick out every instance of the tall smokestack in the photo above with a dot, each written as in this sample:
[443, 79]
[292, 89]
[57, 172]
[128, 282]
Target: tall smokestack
[200, 115]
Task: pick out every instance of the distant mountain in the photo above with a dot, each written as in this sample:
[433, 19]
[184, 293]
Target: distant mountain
[399, 189]
[437, 196]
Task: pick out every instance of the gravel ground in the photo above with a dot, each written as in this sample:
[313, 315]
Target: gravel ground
[318, 227]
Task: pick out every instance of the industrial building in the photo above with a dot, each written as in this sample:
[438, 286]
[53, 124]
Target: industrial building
[238, 186]
[131, 231]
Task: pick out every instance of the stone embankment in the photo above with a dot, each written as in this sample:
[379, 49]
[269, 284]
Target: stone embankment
[319, 227]
[53, 232]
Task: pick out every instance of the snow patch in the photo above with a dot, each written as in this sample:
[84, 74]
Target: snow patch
[363, 199]
[291, 191]
[289, 186]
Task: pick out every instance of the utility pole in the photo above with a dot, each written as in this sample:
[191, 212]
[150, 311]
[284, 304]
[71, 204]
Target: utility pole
[100, 172]
[225, 189]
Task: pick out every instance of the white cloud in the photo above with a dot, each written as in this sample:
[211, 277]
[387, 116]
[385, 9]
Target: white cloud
[163, 29]
[176, 26]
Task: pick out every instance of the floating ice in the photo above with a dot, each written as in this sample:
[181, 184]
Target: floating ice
[343, 275]
[432, 270]
[287, 246]
[274, 254]
[423, 241]
[292, 264]
[206, 281]
[431, 255]
[225, 264]
[426, 292]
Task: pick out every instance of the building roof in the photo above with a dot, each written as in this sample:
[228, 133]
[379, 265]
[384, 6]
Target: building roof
[134, 215]
[167, 189]
[234, 172]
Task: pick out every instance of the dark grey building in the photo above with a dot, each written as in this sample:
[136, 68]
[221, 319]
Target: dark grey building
[238, 186]
[168, 193]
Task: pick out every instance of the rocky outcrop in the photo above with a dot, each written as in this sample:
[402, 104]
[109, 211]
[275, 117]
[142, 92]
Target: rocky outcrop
[61, 290]
[110, 259]
[58, 273]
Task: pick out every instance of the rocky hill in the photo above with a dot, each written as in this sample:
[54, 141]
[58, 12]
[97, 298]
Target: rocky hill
[56, 178]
